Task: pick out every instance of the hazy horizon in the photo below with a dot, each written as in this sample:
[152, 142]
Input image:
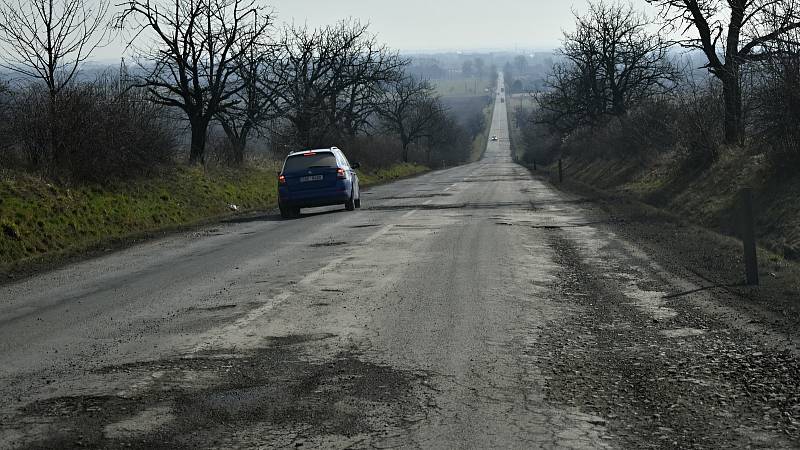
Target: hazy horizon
[417, 26]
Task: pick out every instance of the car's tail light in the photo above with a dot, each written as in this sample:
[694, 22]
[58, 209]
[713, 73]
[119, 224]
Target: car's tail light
[309, 153]
[340, 173]
[281, 179]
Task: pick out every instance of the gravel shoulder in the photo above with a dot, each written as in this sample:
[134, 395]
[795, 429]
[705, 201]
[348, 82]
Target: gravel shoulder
[710, 260]
[666, 360]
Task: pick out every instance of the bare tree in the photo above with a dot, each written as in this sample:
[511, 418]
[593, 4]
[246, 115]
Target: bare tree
[777, 103]
[367, 67]
[253, 103]
[194, 63]
[731, 33]
[301, 74]
[521, 62]
[327, 81]
[467, 68]
[612, 62]
[410, 110]
[49, 39]
[480, 67]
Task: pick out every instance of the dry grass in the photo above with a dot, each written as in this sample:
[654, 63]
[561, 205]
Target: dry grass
[40, 220]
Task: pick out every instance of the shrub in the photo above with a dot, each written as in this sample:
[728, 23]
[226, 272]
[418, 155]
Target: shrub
[776, 113]
[95, 132]
[698, 123]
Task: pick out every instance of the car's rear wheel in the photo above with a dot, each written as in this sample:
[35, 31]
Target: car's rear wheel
[289, 212]
[285, 212]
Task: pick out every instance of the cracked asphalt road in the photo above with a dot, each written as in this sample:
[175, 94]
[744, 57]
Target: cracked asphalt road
[473, 307]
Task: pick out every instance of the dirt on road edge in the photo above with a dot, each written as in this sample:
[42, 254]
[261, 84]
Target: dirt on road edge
[711, 260]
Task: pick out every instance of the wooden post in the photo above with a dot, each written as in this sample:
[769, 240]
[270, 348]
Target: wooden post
[534, 164]
[748, 231]
[560, 172]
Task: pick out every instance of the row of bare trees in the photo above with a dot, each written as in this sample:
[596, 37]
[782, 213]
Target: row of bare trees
[732, 34]
[615, 61]
[223, 64]
[221, 60]
[611, 62]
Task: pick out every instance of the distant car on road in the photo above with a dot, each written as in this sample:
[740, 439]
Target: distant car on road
[494, 138]
[319, 177]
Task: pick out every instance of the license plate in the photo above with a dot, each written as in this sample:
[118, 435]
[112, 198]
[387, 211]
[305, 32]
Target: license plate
[310, 178]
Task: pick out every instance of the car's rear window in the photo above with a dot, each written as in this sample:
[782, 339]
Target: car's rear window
[302, 162]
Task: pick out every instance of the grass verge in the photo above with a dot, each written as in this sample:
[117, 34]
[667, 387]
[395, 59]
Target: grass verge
[43, 223]
[395, 172]
[707, 197]
[482, 140]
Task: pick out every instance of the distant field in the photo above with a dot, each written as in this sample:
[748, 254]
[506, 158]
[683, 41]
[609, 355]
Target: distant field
[520, 100]
[462, 87]
[513, 102]
[464, 108]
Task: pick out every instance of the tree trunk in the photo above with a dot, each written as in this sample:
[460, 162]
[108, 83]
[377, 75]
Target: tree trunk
[54, 157]
[237, 141]
[404, 155]
[731, 76]
[197, 148]
[239, 147]
[732, 96]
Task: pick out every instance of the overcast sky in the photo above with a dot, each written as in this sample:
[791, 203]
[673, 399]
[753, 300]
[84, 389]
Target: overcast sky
[413, 25]
[436, 25]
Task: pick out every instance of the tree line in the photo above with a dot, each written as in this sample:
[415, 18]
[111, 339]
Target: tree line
[208, 64]
[618, 72]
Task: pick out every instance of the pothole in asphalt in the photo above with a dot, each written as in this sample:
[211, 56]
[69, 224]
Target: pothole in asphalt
[146, 421]
[494, 179]
[403, 197]
[328, 244]
[213, 308]
[495, 205]
[273, 396]
[682, 332]
[416, 227]
[294, 339]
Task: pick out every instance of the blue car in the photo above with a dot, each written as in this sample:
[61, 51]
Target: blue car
[313, 178]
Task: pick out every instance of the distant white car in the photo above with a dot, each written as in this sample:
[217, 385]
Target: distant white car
[494, 138]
